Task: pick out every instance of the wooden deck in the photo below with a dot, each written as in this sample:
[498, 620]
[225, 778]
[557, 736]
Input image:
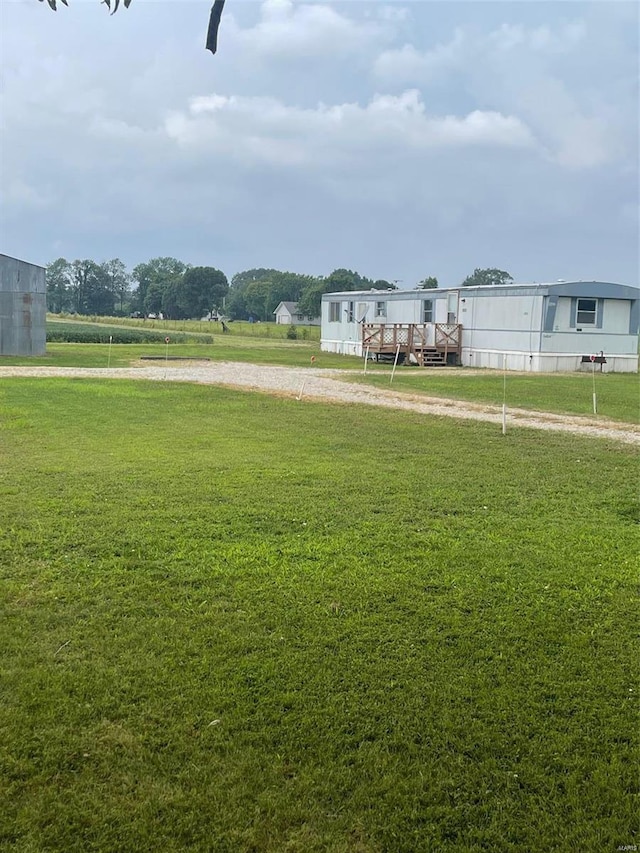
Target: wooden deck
[428, 344]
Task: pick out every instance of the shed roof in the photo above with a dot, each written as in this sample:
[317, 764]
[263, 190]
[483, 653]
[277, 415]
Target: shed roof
[20, 261]
[291, 307]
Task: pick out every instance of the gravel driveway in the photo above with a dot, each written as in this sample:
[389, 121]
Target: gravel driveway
[306, 384]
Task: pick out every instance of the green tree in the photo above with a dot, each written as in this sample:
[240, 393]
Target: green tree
[383, 284]
[311, 298]
[90, 288]
[212, 30]
[159, 271]
[59, 286]
[429, 283]
[490, 276]
[289, 286]
[238, 305]
[201, 289]
[339, 280]
[286, 287]
[119, 281]
[256, 299]
[154, 296]
[169, 303]
[258, 292]
[241, 280]
[53, 4]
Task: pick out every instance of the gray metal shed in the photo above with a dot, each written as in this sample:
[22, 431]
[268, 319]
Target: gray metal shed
[23, 307]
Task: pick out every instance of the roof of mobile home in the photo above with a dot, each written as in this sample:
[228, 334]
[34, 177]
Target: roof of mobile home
[602, 289]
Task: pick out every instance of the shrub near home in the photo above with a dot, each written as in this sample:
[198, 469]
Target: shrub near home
[267, 625]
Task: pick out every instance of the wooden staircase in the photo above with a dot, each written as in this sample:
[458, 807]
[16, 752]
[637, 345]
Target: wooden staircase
[431, 357]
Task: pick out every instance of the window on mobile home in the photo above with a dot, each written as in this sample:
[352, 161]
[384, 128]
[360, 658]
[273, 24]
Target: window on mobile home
[381, 309]
[351, 312]
[586, 314]
[334, 312]
[427, 310]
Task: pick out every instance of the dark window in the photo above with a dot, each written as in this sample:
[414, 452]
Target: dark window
[351, 312]
[381, 309]
[586, 314]
[427, 311]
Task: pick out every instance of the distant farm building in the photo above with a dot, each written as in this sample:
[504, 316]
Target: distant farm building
[529, 327]
[287, 314]
[23, 307]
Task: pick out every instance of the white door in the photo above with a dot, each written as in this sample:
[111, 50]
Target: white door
[452, 307]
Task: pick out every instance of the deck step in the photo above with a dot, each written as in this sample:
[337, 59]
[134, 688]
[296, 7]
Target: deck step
[431, 358]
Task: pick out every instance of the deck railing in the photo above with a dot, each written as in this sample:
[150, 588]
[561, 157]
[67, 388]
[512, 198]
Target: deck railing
[410, 337]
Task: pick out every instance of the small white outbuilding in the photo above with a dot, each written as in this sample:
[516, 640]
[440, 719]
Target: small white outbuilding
[530, 327]
[288, 314]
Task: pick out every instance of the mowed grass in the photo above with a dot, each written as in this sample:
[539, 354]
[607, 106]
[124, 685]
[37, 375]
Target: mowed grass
[617, 394]
[224, 348]
[233, 622]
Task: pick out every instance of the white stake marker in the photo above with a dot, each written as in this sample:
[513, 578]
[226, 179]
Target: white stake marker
[366, 360]
[395, 362]
[299, 397]
[595, 401]
[504, 394]
[109, 356]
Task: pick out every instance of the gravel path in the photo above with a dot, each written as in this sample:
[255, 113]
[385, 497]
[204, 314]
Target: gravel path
[333, 385]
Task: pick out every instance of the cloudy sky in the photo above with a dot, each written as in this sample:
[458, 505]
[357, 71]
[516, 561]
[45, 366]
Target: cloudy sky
[399, 139]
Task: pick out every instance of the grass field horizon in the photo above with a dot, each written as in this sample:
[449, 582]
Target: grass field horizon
[233, 622]
[234, 328]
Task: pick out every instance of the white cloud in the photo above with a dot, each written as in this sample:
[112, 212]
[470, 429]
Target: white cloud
[269, 131]
[20, 194]
[575, 139]
[466, 49]
[478, 143]
[408, 64]
[392, 14]
[544, 39]
[287, 30]
[520, 71]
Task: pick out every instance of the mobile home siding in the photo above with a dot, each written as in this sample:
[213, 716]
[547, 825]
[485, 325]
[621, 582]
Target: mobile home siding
[523, 327]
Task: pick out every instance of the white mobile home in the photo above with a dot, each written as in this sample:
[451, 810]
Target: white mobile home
[532, 327]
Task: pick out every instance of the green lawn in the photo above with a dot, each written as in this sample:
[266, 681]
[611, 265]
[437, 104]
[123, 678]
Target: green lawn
[224, 348]
[618, 394]
[235, 622]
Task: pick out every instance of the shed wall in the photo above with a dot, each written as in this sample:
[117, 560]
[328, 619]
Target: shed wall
[23, 308]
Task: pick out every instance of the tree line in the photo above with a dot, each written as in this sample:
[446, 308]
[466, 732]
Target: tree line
[162, 285]
[178, 291]
[181, 291]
